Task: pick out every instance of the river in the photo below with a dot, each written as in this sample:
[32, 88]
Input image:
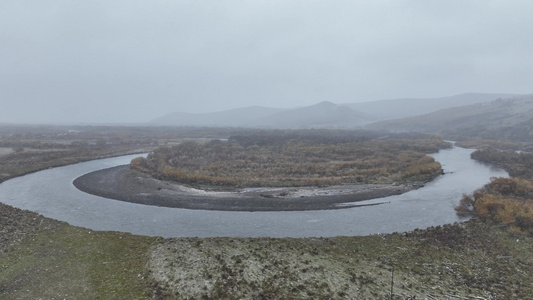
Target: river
[52, 194]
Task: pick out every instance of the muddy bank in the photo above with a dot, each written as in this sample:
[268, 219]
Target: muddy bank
[121, 183]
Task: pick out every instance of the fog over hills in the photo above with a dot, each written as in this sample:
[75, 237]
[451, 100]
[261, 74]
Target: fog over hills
[233, 118]
[503, 118]
[322, 115]
[408, 107]
[325, 114]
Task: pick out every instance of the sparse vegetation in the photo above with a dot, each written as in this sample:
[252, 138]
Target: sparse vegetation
[460, 261]
[26, 149]
[47, 259]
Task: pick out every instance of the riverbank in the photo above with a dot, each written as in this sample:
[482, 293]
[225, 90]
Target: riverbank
[419, 208]
[122, 183]
[13, 164]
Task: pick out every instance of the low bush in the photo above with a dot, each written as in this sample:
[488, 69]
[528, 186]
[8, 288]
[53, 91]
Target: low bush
[293, 162]
[507, 201]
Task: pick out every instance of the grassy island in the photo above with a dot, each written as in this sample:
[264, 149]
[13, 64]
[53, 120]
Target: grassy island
[295, 160]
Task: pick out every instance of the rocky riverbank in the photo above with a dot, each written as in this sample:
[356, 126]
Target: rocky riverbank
[122, 183]
[460, 261]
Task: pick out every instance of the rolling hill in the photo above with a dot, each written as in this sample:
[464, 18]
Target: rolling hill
[508, 119]
[330, 115]
[408, 107]
[321, 115]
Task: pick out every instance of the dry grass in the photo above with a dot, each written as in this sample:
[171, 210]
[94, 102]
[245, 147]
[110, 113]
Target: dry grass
[293, 163]
[47, 259]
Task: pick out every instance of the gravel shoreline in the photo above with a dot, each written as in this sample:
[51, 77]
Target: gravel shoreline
[122, 183]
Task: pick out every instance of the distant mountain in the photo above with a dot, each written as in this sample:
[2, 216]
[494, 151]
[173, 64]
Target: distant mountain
[510, 118]
[321, 115]
[408, 107]
[327, 114]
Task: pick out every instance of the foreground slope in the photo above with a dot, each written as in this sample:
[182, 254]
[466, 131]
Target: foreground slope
[47, 259]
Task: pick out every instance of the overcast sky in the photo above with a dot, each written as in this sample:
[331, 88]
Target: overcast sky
[132, 61]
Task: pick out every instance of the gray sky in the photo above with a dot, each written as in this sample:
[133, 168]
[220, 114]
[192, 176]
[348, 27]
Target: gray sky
[132, 61]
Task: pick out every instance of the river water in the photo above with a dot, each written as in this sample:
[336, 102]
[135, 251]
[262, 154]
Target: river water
[52, 194]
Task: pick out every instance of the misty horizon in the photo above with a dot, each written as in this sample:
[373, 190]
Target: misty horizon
[134, 61]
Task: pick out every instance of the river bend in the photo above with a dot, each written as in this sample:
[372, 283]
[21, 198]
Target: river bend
[52, 194]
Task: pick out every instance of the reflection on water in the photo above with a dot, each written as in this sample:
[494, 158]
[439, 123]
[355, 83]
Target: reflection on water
[52, 194]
